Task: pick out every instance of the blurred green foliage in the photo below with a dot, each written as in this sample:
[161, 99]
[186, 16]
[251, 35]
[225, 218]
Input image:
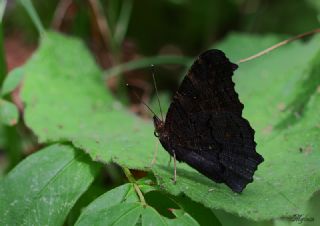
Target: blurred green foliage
[187, 24]
[80, 125]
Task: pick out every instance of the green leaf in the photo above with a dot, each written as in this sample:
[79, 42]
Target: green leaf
[121, 206]
[97, 188]
[313, 210]
[202, 214]
[284, 181]
[184, 218]
[12, 81]
[65, 101]
[8, 113]
[109, 207]
[43, 188]
[151, 217]
[123, 21]
[3, 65]
[170, 207]
[229, 219]
[3, 4]
[13, 144]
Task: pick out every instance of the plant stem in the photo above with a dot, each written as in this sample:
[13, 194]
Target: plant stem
[146, 62]
[123, 22]
[263, 52]
[128, 175]
[102, 23]
[141, 197]
[27, 4]
[136, 187]
[3, 65]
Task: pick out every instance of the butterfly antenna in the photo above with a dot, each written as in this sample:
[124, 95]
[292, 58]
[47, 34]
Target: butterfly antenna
[284, 42]
[137, 96]
[155, 86]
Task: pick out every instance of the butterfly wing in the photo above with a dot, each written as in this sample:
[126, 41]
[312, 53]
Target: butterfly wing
[204, 124]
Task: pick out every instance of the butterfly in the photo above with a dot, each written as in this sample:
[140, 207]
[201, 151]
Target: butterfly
[204, 126]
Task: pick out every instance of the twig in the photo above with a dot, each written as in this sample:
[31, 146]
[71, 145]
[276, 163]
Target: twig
[123, 21]
[60, 13]
[146, 62]
[279, 44]
[27, 4]
[101, 21]
[136, 187]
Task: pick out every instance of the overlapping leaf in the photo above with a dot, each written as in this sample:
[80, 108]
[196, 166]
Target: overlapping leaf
[12, 81]
[8, 113]
[66, 100]
[42, 189]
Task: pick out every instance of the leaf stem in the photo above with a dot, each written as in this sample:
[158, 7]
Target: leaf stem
[146, 62]
[128, 175]
[136, 187]
[123, 21]
[27, 4]
[141, 197]
[284, 42]
[3, 65]
[102, 23]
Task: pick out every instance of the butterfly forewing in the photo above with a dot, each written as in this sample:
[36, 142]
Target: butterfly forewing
[204, 126]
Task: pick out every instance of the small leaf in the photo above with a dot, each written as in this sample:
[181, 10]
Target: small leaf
[121, 206]
[118, 205]
[151, 217]
[12, 81]
[184, 218]
[43, 188]
[95, 212]
[9, 113]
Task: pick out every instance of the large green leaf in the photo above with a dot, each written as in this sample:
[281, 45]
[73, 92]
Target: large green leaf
[66, 101]
[42, 189]
[290, 173]
[75, 106]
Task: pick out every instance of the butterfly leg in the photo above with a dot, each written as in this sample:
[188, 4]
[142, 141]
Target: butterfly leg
[169, 163]
[155, 153]
[175, 167]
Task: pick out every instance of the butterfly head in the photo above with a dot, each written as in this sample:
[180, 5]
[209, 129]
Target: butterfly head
[158, 126]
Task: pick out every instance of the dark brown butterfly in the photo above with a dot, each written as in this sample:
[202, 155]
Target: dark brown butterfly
[204, 126]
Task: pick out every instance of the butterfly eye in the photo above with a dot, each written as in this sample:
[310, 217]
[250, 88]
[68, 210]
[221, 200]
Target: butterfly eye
[156, 134]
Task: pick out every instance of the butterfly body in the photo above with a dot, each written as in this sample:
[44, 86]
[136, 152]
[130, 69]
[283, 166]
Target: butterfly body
[204, 126]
